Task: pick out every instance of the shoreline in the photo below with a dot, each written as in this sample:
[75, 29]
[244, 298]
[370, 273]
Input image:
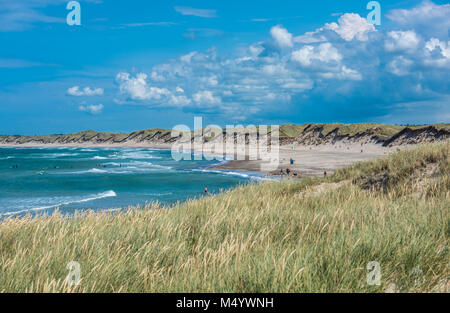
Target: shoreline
[308, 160]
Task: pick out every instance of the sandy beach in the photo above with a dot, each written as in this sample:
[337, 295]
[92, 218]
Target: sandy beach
[314, 160]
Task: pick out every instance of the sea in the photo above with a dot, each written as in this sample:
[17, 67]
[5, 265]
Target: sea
[68, 179]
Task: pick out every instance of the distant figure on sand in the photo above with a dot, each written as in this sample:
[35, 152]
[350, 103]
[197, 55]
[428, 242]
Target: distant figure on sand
[325, 174]
[291, 161]
[206, 190]
[288, 171]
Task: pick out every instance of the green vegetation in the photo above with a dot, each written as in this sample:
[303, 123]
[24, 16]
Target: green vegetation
[287, 131]
[310, 235]
[350, 130]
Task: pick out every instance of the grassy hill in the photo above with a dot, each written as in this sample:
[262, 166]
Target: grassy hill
[311, 235]
[379, 133]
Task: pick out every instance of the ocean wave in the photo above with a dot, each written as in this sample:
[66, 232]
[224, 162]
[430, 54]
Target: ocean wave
[91, 171]
[106, 194]
[96, 170]
[247, 175]
[99, 158]
[231, 173]
[126, 168]
[138, 166]
[158, 194]
[51, 155]
[135, 155]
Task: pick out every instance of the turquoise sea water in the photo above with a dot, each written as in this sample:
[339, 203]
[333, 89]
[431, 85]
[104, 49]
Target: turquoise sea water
[38, 180]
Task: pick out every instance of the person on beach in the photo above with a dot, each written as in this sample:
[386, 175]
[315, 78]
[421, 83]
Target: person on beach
[206, 190]
[291, 161]
[288, 171]
[325, 174]
[281, 172]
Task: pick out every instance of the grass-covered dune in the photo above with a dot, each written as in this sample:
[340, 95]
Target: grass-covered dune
[378, 133]
[311, 235]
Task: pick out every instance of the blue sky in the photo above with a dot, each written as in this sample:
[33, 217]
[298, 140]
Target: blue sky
[142, 64]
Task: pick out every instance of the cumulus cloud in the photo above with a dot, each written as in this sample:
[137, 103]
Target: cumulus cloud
[401, 41]
[352, 26]
[437, 53]
[427, 18]
[86, 91]
[348, 66]
[206, 97]
[137, 88]
[282, 37]
[399, 66]
[323, 53]
[92, 109]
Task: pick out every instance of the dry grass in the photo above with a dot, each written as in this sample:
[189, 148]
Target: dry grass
[270, 237]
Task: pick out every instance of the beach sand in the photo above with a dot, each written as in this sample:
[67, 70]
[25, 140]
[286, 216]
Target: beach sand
[314, 160]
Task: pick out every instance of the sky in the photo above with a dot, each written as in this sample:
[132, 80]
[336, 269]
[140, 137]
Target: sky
[139, 64]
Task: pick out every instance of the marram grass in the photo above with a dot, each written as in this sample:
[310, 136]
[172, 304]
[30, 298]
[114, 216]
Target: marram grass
[312, 235]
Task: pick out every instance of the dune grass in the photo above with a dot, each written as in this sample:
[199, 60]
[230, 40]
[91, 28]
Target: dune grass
[311, 235]
[287, 131]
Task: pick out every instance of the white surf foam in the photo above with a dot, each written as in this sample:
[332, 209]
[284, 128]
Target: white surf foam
[158, 194]
[99, 158]
[106, 194]
[231, 173]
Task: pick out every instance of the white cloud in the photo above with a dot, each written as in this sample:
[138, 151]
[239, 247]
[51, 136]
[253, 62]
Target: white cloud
[350, 26]
[282, 37]
[149, 24]
[255, 50]
[179, 101]
[311, 37]
[298, 86]
[435, 43]
[196, 12]
[275, 69]
[342, 73]
[25, 14]
[188, 57]
[138, 89]
[428, 18]
[399, 66]
[350, 74]
[206, 97]
[335, 63]
[211, 80]
[86, 91]
[401, 41]
[437, 53]
[325, 52]
[92, 109]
